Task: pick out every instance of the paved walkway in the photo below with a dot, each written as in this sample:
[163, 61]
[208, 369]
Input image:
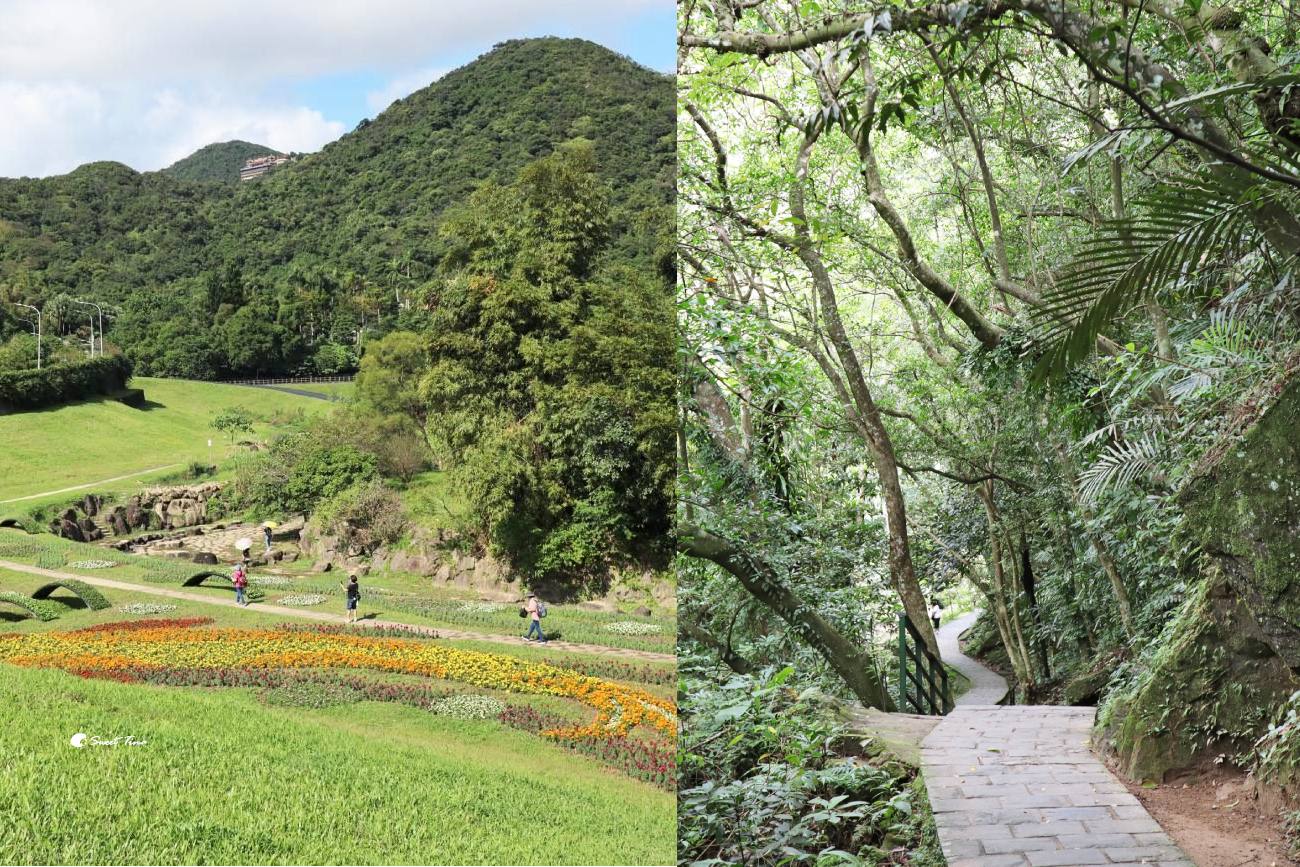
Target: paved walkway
[89, 484]
[1016, 786]
[986, 687]
[285, 611]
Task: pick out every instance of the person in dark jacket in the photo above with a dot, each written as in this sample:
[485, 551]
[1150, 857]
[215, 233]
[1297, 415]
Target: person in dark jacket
[353, 591]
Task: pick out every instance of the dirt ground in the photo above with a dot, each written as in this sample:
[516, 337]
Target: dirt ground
[1217, 822]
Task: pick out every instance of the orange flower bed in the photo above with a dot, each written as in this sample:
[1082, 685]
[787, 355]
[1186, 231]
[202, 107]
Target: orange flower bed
[618, 708]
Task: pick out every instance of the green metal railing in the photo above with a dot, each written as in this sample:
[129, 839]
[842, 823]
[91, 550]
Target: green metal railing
[926, 674]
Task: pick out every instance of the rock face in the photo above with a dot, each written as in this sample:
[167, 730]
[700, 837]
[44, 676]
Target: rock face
[178, 507]
[162, 508]
[1231, 656]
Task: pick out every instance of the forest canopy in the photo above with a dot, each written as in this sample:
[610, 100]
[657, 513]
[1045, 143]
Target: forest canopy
[968, 293]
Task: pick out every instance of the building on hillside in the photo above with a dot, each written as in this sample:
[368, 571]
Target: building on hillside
[260, 165]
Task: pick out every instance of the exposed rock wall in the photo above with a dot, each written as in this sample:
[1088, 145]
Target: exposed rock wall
[1231, 657]
[158, 508]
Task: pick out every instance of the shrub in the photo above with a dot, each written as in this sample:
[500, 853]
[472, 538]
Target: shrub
[38, 608]
[294, 475]
[60, 383]
[366, 516]
[94, 600]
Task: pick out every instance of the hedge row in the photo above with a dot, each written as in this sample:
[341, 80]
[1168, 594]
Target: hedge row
[60, 383]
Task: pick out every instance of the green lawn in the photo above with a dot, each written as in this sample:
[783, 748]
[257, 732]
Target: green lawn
[403, 598]
[84, 442]
[226, 779]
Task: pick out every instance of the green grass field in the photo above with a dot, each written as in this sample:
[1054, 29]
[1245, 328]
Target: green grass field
[226, 779]
[86, 442]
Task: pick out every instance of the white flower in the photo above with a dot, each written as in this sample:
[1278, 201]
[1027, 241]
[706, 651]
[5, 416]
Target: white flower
[146, 608]
[634, 627]
[481, 607]
[303, 599]
[468, 706]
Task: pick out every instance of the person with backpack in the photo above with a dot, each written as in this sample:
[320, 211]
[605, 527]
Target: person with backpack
[240, 578]
[536, 611]
[353, 591]
[936, 613]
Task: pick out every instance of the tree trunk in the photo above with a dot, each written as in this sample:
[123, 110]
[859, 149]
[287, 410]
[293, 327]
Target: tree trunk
[854, 667]
[733, 660]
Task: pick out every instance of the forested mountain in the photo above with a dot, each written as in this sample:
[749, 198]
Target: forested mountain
[217, 162]
[295, 271]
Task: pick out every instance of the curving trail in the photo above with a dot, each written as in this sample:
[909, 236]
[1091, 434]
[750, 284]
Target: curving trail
[1019, 786]
[286, 611]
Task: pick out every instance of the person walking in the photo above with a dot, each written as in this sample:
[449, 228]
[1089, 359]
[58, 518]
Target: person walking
[241, 583]
[266, 536]
[536, 611]
[936, 612]
[353, 591]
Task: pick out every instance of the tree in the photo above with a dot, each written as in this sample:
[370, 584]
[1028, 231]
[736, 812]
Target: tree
[233, 420]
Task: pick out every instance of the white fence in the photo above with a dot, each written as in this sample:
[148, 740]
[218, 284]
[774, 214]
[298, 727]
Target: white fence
[296, 380]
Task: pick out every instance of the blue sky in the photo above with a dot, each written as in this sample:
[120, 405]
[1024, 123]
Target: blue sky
[648, 37]
[146, 82]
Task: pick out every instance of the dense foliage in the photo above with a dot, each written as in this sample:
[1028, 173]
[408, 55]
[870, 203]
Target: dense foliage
[219, 162]
[974, 295]
[296, 270]
[60, 383]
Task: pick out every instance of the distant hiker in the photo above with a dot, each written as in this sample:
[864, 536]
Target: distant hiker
[536, 611]
[353, 590]
[936, 612]
[241, 582]
[266, 535]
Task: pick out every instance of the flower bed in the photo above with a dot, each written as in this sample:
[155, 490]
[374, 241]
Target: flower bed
[633, 627]
[112, 647]
[135, 625]
[463, 706]
[418, 632]
[146, 608]
[303, 599]
[92, 564]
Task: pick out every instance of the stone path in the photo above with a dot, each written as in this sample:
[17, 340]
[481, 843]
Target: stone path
[986, 687]
[1016, 786]
[285, 611]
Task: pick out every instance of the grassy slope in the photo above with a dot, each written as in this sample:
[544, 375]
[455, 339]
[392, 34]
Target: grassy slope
[225, 779]
[93, 440]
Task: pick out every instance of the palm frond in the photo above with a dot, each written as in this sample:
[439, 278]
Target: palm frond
[1186, 231]
[1119, 465]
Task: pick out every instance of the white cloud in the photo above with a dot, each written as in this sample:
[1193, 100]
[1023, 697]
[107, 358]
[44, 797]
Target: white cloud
[402, 85]
[146, 82]
[58, 126]
[149, 40]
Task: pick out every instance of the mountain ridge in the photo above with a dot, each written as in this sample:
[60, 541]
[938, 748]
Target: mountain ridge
[187, 262]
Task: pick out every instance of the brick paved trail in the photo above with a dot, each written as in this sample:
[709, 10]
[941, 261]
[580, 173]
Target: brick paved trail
[1016, 786]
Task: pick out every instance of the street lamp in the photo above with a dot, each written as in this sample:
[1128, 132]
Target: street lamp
[38, 331]
[92, 326]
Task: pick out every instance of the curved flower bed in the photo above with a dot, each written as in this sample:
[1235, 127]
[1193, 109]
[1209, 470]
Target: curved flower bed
[112, 647]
